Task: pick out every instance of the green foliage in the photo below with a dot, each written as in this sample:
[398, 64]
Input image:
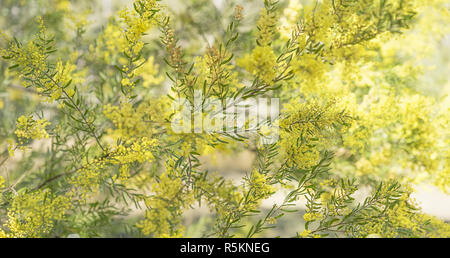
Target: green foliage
[87, 146]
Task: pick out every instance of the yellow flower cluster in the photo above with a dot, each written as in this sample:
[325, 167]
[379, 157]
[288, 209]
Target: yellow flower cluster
[136, 22]
[140, 151]
[31, 62]
[328, 183]
[305, 233]
[267, 27]
[165, 207]
[334, 32]
[29, 128]
[90, 175]
[149, 72]
[30, 58]
[63, 77]
[260, 189]
[136, 27]
[142, 121]
[262, 62]
[388, 212]
[308, 217]
[309, 68]
[128, 122]
[400, 218]
[307, 127]
[341, 25]
[34, 214]
[108, 44]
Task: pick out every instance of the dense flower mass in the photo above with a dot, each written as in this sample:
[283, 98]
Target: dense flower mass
[261, 62]
[309, 126]
[88, 100]
[29, 128]
[33, 214]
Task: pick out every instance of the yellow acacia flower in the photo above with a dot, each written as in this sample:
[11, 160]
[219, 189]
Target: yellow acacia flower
[307, 126]
[109, 43]
[149, 72]
[136, 23]
[262, 63]
[62, 5]
[310, 68]
[29, 57]
[308, 217]
[92, 173]
[267, 27]
[31, 62]
[29, 128]
[33, 214]
[165, 207]
[305, 233]
[130, 122]
[260, 185]
[11, 147]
